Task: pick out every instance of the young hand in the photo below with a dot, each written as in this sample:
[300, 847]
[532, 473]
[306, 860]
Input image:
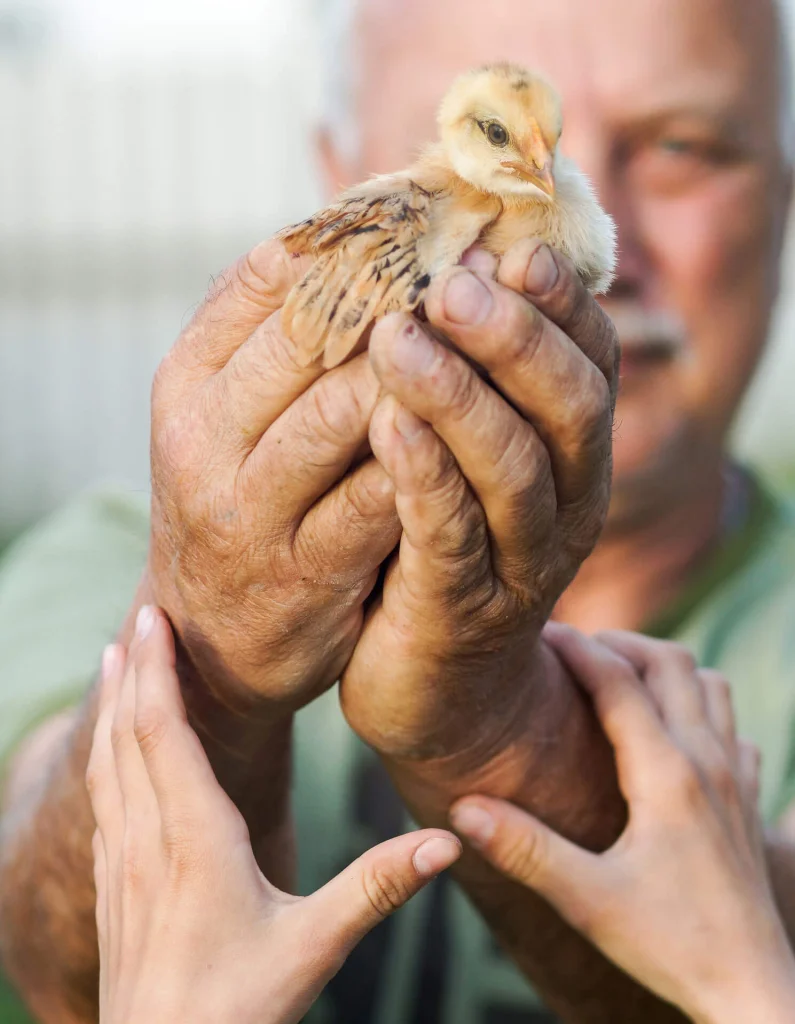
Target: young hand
[189, 928]
[682, 901]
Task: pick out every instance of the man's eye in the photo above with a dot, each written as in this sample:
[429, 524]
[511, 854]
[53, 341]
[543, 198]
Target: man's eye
[677, 146]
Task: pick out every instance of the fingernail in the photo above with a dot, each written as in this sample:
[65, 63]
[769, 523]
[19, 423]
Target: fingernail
[480, 262]
[467, 300]
[145, 622]
[435, 855]
[110, 660]
[542, 274]
[473, 822]
[407, 424]
[412, 351]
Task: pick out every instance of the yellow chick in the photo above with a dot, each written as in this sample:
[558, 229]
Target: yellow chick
[495, 176]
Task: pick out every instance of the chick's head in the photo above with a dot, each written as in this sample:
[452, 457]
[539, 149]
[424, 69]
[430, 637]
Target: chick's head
[500, 126]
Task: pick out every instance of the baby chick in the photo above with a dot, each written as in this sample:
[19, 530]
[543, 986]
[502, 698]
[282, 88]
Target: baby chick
[495, 176]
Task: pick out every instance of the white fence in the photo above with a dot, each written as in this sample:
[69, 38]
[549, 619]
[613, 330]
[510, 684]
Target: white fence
[119, 197]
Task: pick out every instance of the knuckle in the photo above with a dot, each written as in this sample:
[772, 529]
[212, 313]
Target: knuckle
[717, 682]
[94, 779]
[151, 726]
[180, 849]
[521, 331]
[131, 865]
[722, 778]
[118, 733]
[677, 656]
[684, 783]
[521, 854]
[334, 410]
[385, 891]
[460, 386]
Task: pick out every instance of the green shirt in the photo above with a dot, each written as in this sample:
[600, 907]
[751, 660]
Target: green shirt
[64, 589]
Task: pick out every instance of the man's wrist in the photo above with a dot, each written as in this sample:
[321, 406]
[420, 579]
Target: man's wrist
[545, 751]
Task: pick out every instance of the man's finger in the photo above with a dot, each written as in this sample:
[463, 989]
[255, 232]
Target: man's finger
[240, 299]
[445, 548]
[309, 448]
[356, 524]
[554, 287]
[500, 456]
[101, 779]
[544, 375]
[624, 709]
[527, 851]
[376, 885]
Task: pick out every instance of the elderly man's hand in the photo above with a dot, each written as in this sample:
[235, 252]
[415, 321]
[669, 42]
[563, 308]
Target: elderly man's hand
[502, 489]
[268, 531]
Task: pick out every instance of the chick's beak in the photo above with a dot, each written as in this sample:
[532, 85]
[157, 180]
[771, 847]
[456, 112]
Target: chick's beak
[537, 164]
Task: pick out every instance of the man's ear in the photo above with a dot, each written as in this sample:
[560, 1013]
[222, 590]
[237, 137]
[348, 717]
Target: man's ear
[336, 172]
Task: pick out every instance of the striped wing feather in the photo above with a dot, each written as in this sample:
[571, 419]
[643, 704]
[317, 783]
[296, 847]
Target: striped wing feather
[368, 263]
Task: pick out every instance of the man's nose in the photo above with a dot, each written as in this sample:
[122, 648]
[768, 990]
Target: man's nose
[595, 157]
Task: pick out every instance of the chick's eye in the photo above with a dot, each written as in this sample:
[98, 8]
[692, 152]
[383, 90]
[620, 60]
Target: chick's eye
[496, 134]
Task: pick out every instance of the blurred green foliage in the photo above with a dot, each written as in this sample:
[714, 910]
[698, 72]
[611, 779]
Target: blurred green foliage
[11, 1009]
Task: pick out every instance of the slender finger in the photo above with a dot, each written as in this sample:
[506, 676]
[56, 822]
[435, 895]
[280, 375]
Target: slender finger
[101, 780]
[101, 914]
[183, 783]
[749, 771]
[376, 885]
[445, 535]
[538, 368]
[624, 709]
[141, 818]
[720, 710]
[671, 674]
[310, 447]
[549, 280]
[240, 299]
[527, 851]
[500, 456]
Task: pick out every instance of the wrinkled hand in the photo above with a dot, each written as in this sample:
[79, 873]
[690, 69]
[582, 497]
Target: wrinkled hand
[502, 486]
[189, 928]
[266, 535]
[682, 901]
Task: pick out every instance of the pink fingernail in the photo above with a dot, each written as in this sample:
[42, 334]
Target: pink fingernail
[467, 300]
[542, 274]
[412, 350]
[110, 660]
[435, 855]
[407, 424]
[145, 622]
[475, 823]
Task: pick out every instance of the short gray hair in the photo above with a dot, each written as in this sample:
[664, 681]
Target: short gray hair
[340, 66]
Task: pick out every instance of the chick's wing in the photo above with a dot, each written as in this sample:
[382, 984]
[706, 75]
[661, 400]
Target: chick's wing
[376, 250]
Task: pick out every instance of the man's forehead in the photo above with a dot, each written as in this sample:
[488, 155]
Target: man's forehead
[648, 54]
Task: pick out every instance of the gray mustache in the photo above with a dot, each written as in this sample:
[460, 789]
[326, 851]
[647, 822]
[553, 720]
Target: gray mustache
[647, 328]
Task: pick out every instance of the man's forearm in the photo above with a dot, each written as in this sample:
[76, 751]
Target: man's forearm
[47, 924]
[559, 767]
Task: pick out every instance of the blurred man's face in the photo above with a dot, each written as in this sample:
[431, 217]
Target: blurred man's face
[671, 107]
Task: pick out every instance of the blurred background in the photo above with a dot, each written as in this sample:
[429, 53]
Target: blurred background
[143, 146]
